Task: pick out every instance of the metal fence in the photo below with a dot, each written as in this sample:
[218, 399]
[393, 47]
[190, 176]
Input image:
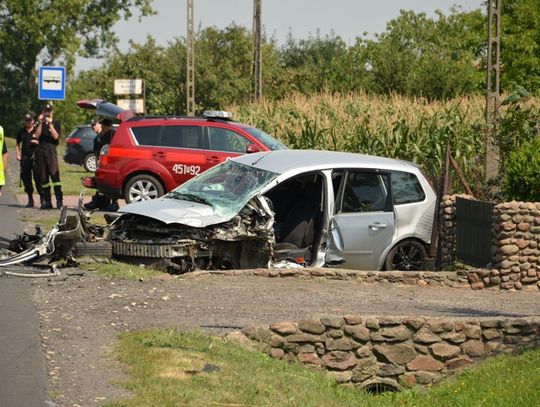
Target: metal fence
[473, 231]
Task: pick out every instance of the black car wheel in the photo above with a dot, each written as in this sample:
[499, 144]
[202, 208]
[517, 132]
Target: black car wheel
[143, 187]
[409, 255]
[89, 162]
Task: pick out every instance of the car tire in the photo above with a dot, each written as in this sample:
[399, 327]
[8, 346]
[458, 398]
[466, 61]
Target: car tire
[89, 163]
[143, 187]
[408, 255]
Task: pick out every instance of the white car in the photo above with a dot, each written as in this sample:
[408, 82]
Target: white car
[315, 208]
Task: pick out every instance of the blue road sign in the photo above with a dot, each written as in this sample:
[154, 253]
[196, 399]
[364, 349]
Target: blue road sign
[52, 83]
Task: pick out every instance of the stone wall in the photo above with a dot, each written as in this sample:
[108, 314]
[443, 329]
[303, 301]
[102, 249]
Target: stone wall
[394, 351]
[447, 232]
[515, 248]
[516, 240]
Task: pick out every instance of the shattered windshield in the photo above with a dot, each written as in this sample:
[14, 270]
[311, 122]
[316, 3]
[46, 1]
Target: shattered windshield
[227, 187]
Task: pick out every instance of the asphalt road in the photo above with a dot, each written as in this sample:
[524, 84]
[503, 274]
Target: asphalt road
[22, 367]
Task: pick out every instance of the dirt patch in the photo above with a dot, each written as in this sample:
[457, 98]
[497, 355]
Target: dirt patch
[81, 317]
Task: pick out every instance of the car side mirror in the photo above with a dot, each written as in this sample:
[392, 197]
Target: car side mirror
[252, 148]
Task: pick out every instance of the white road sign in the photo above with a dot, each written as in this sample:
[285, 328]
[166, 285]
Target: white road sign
[52, 80]
[136, 105]
[128, 86]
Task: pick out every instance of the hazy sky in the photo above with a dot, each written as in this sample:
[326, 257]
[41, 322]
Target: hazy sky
[347, 18]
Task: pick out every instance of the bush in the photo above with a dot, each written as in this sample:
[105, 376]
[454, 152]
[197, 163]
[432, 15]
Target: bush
[522, 176]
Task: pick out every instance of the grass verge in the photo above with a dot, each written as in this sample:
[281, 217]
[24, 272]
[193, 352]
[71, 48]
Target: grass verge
[120, 270]
[45, 219]
[165, 370]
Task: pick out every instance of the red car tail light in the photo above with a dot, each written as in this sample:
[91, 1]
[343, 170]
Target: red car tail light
[104, 156]
[73, 140]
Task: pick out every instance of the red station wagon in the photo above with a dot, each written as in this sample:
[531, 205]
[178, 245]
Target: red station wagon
[149, 156]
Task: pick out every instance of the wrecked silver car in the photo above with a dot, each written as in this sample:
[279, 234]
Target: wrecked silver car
[308, 208]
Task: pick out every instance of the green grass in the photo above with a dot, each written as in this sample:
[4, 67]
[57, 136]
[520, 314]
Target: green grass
[159, 365]
[71, 175]
[45, 219]
[118, 269]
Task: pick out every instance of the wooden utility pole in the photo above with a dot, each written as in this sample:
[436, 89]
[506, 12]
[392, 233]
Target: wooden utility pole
[257, 54]
[190, 62]
[492, 87]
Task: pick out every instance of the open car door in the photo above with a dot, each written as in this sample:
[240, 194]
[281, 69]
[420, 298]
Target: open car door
[106, 109]
[364, 222]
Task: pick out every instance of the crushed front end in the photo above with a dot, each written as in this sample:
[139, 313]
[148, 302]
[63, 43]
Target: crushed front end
[245, 241]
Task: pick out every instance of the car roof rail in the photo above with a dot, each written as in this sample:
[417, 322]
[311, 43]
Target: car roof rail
[172, 117]
[165, 117]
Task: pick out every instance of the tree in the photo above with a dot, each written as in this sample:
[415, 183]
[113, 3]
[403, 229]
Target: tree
[321, 63]
[223, 66]
[434, 58]
[520, 44]
[46, 32]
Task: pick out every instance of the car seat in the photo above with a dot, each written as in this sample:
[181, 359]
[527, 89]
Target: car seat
[298, 227]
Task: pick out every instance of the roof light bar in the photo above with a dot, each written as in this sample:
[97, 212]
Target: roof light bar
[217, 114]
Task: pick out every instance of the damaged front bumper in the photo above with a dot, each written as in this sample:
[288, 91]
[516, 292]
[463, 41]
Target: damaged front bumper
[245, 241]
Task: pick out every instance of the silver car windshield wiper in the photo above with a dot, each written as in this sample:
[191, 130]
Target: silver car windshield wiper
[190, 197]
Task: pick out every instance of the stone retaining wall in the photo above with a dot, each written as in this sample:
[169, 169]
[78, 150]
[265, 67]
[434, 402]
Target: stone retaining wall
[394, 351]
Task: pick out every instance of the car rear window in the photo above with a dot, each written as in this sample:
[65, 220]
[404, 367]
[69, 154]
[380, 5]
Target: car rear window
[406, 188]
[146, 136]
[169, 136]
[82, 132]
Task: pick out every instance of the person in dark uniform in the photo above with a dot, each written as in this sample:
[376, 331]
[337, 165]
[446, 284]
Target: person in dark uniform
[26, 153]
[104, 137]
[48, 133]
[104, 130]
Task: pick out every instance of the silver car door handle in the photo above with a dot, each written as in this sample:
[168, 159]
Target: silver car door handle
[377, 225]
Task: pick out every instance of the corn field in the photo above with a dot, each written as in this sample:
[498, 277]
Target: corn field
[392, 126]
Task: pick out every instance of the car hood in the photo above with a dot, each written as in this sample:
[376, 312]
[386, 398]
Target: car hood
[169, 211]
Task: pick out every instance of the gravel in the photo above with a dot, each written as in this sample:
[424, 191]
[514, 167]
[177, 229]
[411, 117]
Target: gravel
[81, 317]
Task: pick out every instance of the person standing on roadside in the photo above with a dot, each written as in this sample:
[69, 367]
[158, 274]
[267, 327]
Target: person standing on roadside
[4, 160]
[48, 133]
[104, 131]
[25, 148]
